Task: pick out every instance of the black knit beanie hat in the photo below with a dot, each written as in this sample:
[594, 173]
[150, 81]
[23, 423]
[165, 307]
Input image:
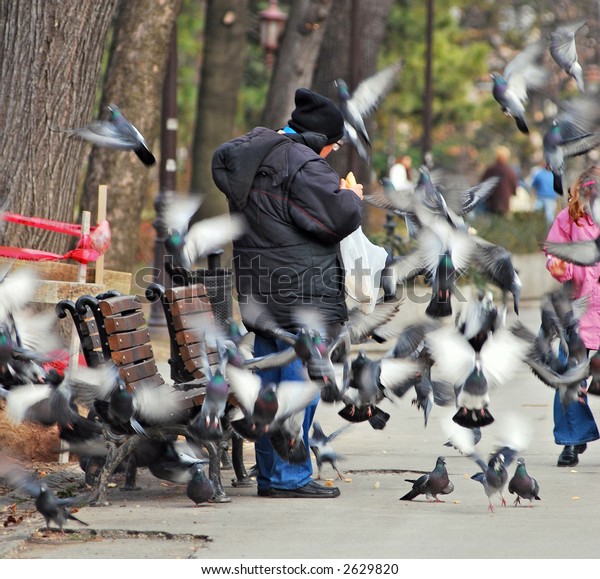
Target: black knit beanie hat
[317, 114]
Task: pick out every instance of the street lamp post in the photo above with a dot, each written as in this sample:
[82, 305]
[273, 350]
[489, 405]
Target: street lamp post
[272, 22]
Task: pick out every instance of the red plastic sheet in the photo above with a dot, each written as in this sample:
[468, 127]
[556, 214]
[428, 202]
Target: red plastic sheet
[89, 247]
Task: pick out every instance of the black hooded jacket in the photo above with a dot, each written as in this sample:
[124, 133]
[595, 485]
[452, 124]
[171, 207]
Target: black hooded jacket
[296, 216]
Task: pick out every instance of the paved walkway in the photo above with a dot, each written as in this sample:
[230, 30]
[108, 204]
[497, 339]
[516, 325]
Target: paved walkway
[367, 521]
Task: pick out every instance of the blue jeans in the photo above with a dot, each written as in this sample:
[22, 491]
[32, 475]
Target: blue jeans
[273, 471]
[575, 425]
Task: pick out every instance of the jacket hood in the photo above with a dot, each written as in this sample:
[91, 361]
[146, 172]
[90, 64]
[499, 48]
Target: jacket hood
[236, 162]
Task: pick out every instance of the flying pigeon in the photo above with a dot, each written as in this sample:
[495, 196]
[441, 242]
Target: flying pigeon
[53, 509]
[564, 51]
[494, 474]
[127, 410]
[471, 372]
[371, 381]
[582, 253]
[521, 75]
[523, 485]
[320, 444]
[175, 462]
[571, 133]
[116, 133]
[431, 484]
[267, 406]
[363, 101]
[208, 421]
[187, 243]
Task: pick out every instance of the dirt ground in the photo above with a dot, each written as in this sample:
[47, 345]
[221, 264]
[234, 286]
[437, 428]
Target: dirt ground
[27, 441]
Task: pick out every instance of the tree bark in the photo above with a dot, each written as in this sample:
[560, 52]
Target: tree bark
[296, 61]
[134, 81]
[50, 60]
[355, 31]
[223, 63]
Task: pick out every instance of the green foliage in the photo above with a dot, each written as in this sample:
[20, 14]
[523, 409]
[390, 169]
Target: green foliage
[458, 62]
[516, 232]
[190, 35]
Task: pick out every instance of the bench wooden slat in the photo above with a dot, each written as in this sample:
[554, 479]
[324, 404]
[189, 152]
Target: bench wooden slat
[88, 327]
[91, 342]
[148, 382]
[134, 372]
[176, 293]
[194, 321]
[119, 304]
[191, 306]
[118, 342]
[118, 323]
[133, 355]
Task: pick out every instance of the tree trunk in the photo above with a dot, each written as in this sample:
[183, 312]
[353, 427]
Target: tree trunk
[50, 60]
[296, 61]
[223, 62]
[349, 50]
[134, 81]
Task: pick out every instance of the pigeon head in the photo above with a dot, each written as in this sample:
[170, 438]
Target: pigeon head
[114, 111]
[342, 87]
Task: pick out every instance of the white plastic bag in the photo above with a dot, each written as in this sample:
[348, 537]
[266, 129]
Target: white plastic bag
[364, 262]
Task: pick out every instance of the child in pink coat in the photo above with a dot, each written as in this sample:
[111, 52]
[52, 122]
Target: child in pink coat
[575, 426]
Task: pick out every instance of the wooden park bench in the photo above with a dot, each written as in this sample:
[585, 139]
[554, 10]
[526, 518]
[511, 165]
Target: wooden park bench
[113, 327]
[188, 309]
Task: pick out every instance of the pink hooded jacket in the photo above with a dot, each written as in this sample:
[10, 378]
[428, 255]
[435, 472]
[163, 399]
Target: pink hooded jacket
[585, 279]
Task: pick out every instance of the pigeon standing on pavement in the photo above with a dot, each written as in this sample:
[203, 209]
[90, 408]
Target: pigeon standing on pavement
[116, 133]
[365, 99]
[564, 51]
[521, 74]
[515, 434]
[523, 485]
[431, 484]
[200, 488]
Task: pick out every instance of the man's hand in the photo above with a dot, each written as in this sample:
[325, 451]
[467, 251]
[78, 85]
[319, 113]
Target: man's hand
[350, 183]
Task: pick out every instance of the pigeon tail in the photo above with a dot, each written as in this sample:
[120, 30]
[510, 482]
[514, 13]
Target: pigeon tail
[439, 307]
[409, 496]
[473, 418]
[558, 186]
[379, 419]
[522, 125]
[145, 156]
[293, 451]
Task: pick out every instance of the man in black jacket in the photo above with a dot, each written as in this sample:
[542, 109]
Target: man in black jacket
[297, 211]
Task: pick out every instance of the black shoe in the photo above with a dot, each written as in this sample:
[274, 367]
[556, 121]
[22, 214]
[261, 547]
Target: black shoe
[311, 490]
[568, 457]
[580, 448]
